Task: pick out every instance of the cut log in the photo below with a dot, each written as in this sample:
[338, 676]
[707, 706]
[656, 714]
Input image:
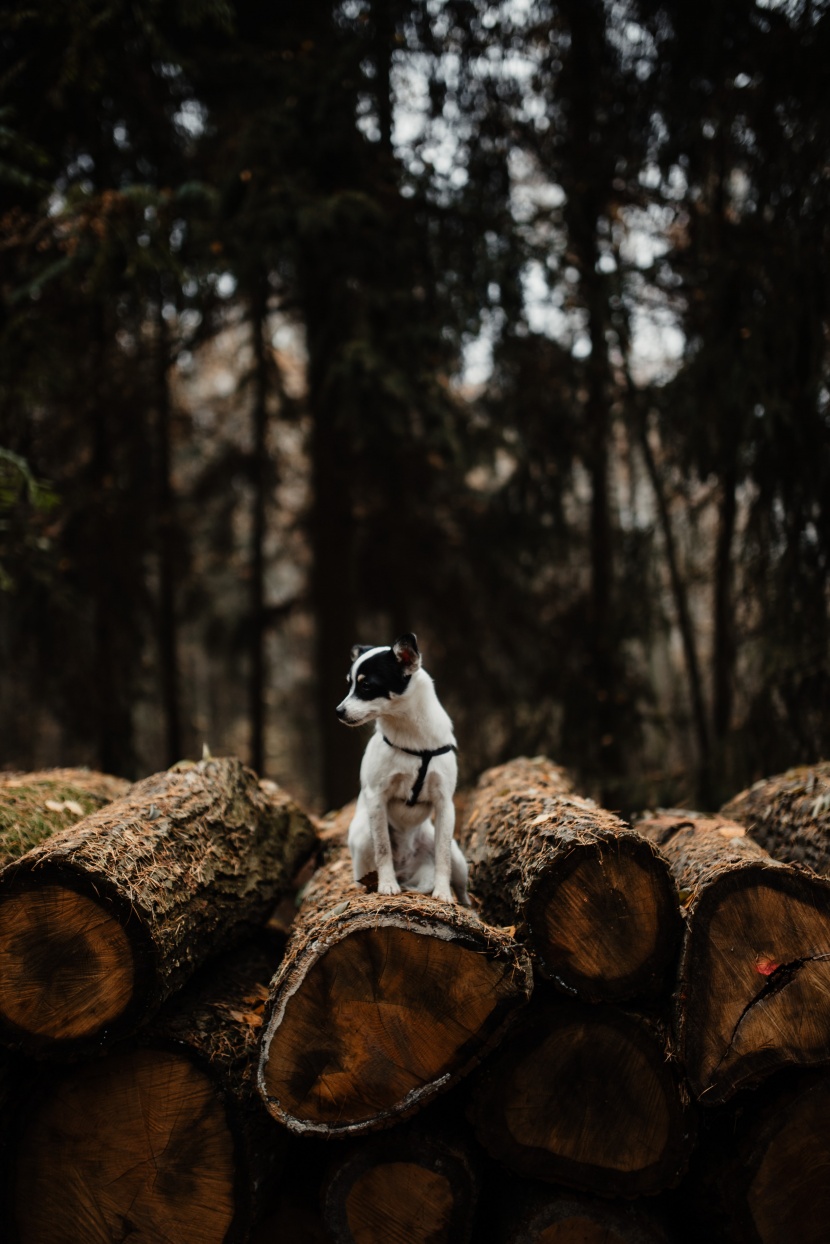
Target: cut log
[536, 1217]
[586, 1096]
[767, 1180]
[380, 1003]
[34, 806]
[754, 978]
[594, 900]
[165, 1139]
[789, 815]
[103, 921]
[413, 1186]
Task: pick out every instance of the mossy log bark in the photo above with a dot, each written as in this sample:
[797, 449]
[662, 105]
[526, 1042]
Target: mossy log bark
[34, 806]
[380, 1003]
[754, 979]
[165, 1138]
[594, 900]
[766, 1181]
[586, 1096]
[789, 815]
[536, 1217]
[414, 1186]
[104, 921]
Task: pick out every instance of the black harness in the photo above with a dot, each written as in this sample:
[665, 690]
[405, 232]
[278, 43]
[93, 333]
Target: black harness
[426, 756]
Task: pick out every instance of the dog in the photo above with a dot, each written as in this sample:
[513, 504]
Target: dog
[404, 822]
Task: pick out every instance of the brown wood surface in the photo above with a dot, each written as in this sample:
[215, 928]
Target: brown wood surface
[413, 1186]
[594, 900]
[753, 993]
[104, 920]
[34, 806]
[165, 1138]
[380, 1003]
[586, 1096]
[766, 1179]
[789, 815]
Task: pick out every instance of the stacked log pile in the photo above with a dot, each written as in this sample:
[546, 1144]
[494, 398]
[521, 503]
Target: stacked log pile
[623, 1041]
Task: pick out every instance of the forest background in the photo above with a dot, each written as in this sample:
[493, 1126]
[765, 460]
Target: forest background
[503, 323]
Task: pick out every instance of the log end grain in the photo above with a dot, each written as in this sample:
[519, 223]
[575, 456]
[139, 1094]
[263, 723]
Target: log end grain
[134, 1145]
[418, 1188]
[585, 1096]
[379, 1004]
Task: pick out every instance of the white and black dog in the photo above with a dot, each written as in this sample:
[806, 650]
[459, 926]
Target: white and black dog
[404, 822]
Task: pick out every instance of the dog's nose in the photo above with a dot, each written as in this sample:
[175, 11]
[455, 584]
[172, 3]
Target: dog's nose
[341, 712]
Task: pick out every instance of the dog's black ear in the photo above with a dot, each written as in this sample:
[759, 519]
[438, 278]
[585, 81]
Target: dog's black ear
[358, 650]
[406, 650]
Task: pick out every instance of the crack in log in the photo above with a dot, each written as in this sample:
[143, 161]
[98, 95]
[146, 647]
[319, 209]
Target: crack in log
[783, 975]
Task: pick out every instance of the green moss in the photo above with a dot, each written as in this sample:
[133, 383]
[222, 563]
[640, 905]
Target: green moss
[26, 821]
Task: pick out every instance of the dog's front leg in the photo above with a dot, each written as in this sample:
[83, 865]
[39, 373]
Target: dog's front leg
[444, 830]
[379, 825]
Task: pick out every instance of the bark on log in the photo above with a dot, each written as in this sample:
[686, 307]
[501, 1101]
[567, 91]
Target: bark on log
[537, 1217]
[164, 1138]
[104, 921]
[594, 901]
[754, 979]
[789, 815]
[34, 806]
[380, 1003]
[413, 1186]
[766, 1181]
[586, 1096]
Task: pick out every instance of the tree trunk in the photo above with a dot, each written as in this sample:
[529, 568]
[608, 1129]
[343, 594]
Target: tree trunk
[101, 923]
[164, 1139]
[535, 1216]
[766, 1181]
[165, 538]
[259, 479]
[724, 623]
[789, 815]
[380, 1003]
[585, 1096]
[593, 899]
[413, 1186]
[34, 806]
[755, 965]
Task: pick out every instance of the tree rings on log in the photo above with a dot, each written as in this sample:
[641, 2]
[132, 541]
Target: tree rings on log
[103, 921]
[588, 1097]
[413, 1187]
[754, 982]
[162, 1140]
[594, 901]
[380, 1003]
[34, 806]
[789, 815]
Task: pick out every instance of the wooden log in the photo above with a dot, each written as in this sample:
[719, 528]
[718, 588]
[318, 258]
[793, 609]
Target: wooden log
[380, 1003]
[789, 815]
[413, 1186]
[765, 1182]
[594, 900]
[586, 1096]
[103, 921]
[537, 1216]
[34, 806]
[754, 978]
[163, 1138]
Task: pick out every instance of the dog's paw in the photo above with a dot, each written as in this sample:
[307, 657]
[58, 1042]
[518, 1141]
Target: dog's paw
[388, 887]
[444, 893]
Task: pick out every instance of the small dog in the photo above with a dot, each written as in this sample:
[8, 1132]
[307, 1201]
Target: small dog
[405, 818]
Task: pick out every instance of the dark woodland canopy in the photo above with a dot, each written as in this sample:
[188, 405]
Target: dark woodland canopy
[502, 323]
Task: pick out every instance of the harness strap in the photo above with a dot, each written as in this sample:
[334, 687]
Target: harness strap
[426, 756]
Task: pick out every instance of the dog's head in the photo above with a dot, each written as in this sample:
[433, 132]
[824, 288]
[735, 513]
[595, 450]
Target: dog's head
[377, 677]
